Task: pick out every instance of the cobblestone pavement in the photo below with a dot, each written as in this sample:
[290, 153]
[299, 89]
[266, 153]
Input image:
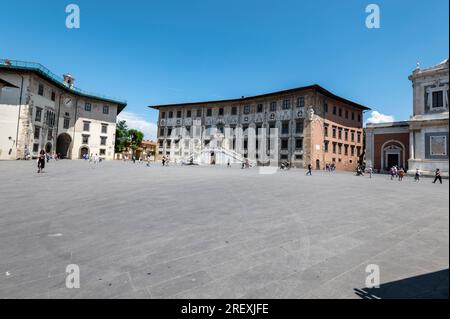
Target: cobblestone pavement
[216, 232]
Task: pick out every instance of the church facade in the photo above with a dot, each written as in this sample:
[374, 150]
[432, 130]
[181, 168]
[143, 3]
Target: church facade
[422, 142]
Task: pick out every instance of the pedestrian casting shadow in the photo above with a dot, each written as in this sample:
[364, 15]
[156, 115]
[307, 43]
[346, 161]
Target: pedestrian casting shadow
[429, 286]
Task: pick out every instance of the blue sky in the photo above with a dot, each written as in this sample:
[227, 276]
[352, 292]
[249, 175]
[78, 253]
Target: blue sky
[156, 52]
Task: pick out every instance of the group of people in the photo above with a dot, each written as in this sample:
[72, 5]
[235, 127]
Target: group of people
[330, 167]
[45, 157]
[165, 160]
[397, 172]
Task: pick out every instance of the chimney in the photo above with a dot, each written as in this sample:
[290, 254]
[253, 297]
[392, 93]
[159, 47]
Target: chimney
[69, 80]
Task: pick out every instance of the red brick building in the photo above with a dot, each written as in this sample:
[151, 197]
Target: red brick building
[387, 145]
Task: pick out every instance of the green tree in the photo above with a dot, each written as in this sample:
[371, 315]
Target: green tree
[135, 138]
[121, 136]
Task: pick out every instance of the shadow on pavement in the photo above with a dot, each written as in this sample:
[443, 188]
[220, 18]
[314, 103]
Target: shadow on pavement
[429, 286]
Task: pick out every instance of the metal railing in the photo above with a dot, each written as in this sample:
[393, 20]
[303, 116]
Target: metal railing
[37, 67]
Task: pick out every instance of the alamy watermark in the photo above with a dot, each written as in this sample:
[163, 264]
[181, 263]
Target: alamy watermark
[73, 17]
[73, 276]
[373, 20]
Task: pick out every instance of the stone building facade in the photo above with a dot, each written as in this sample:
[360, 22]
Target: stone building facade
[314, 127]
[40, 111]
[422, 142]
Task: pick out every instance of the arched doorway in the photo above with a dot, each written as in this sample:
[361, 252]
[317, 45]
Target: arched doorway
[62, 145]
[393, 154]
[318, 165]
[48, 147]
[84, 150]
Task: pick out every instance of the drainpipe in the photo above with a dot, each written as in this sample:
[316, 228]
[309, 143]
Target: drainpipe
[20, 109]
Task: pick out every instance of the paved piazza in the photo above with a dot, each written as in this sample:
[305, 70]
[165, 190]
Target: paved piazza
[216, 232]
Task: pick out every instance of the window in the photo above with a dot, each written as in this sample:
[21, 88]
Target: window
[102, 152]
[286, 104]
[334, 147]
[299, 127]
[358, 151]
[41, 90]
[283, 157]
[188, 113]
[161, 144]
[284, 144]
[346, 114]
[234, 110]
[273, 107]
[285, 128]
[438, 99]
[299, 157]
[352, 151]
[339, 149]
[334, 110]
[301, 101]
[37, 132]
[199, 113]
[209, 112]
[260, 108]
[161, 131]
[104, 128]
[340, 112]
[66, 123]
[340, 133]
[247, 109]
[170, 114]
[326, 144]
[325, 107]
[346, 135]
[87, 107]
[345, 150]
[35, 148]
[105, 109]
[299, 143]
[353, 116]
[359, 138]
[53, 96]
[86, 126]
[352, 136]
[359, 118]
[179, 115]
[50, 134]
[334, 131]
[50, 117]
[169, 131]
[102, 140]
[163, 115]
[221, 111]
[325, 130]
[38, 115]
[85, 139]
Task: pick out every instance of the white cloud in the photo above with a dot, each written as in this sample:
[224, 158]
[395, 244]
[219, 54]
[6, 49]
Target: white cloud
[139, 123]
[377, 117]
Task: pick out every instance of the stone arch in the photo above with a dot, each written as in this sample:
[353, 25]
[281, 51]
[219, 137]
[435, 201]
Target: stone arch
[391, 149]
[63, 145]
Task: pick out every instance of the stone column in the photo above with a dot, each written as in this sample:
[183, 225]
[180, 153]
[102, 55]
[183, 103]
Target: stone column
[411, 144]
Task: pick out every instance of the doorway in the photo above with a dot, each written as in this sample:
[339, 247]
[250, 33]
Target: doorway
[62, 145]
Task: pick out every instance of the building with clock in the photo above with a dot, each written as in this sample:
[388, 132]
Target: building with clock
[313, 125]
[42, 111]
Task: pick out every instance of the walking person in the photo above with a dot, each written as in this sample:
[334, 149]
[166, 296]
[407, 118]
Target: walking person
[163, 160]
[41, 161]
[370, 171]
[417, 176]
[392, 173]
[401, 174]
[437, 176]
[309, 170]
